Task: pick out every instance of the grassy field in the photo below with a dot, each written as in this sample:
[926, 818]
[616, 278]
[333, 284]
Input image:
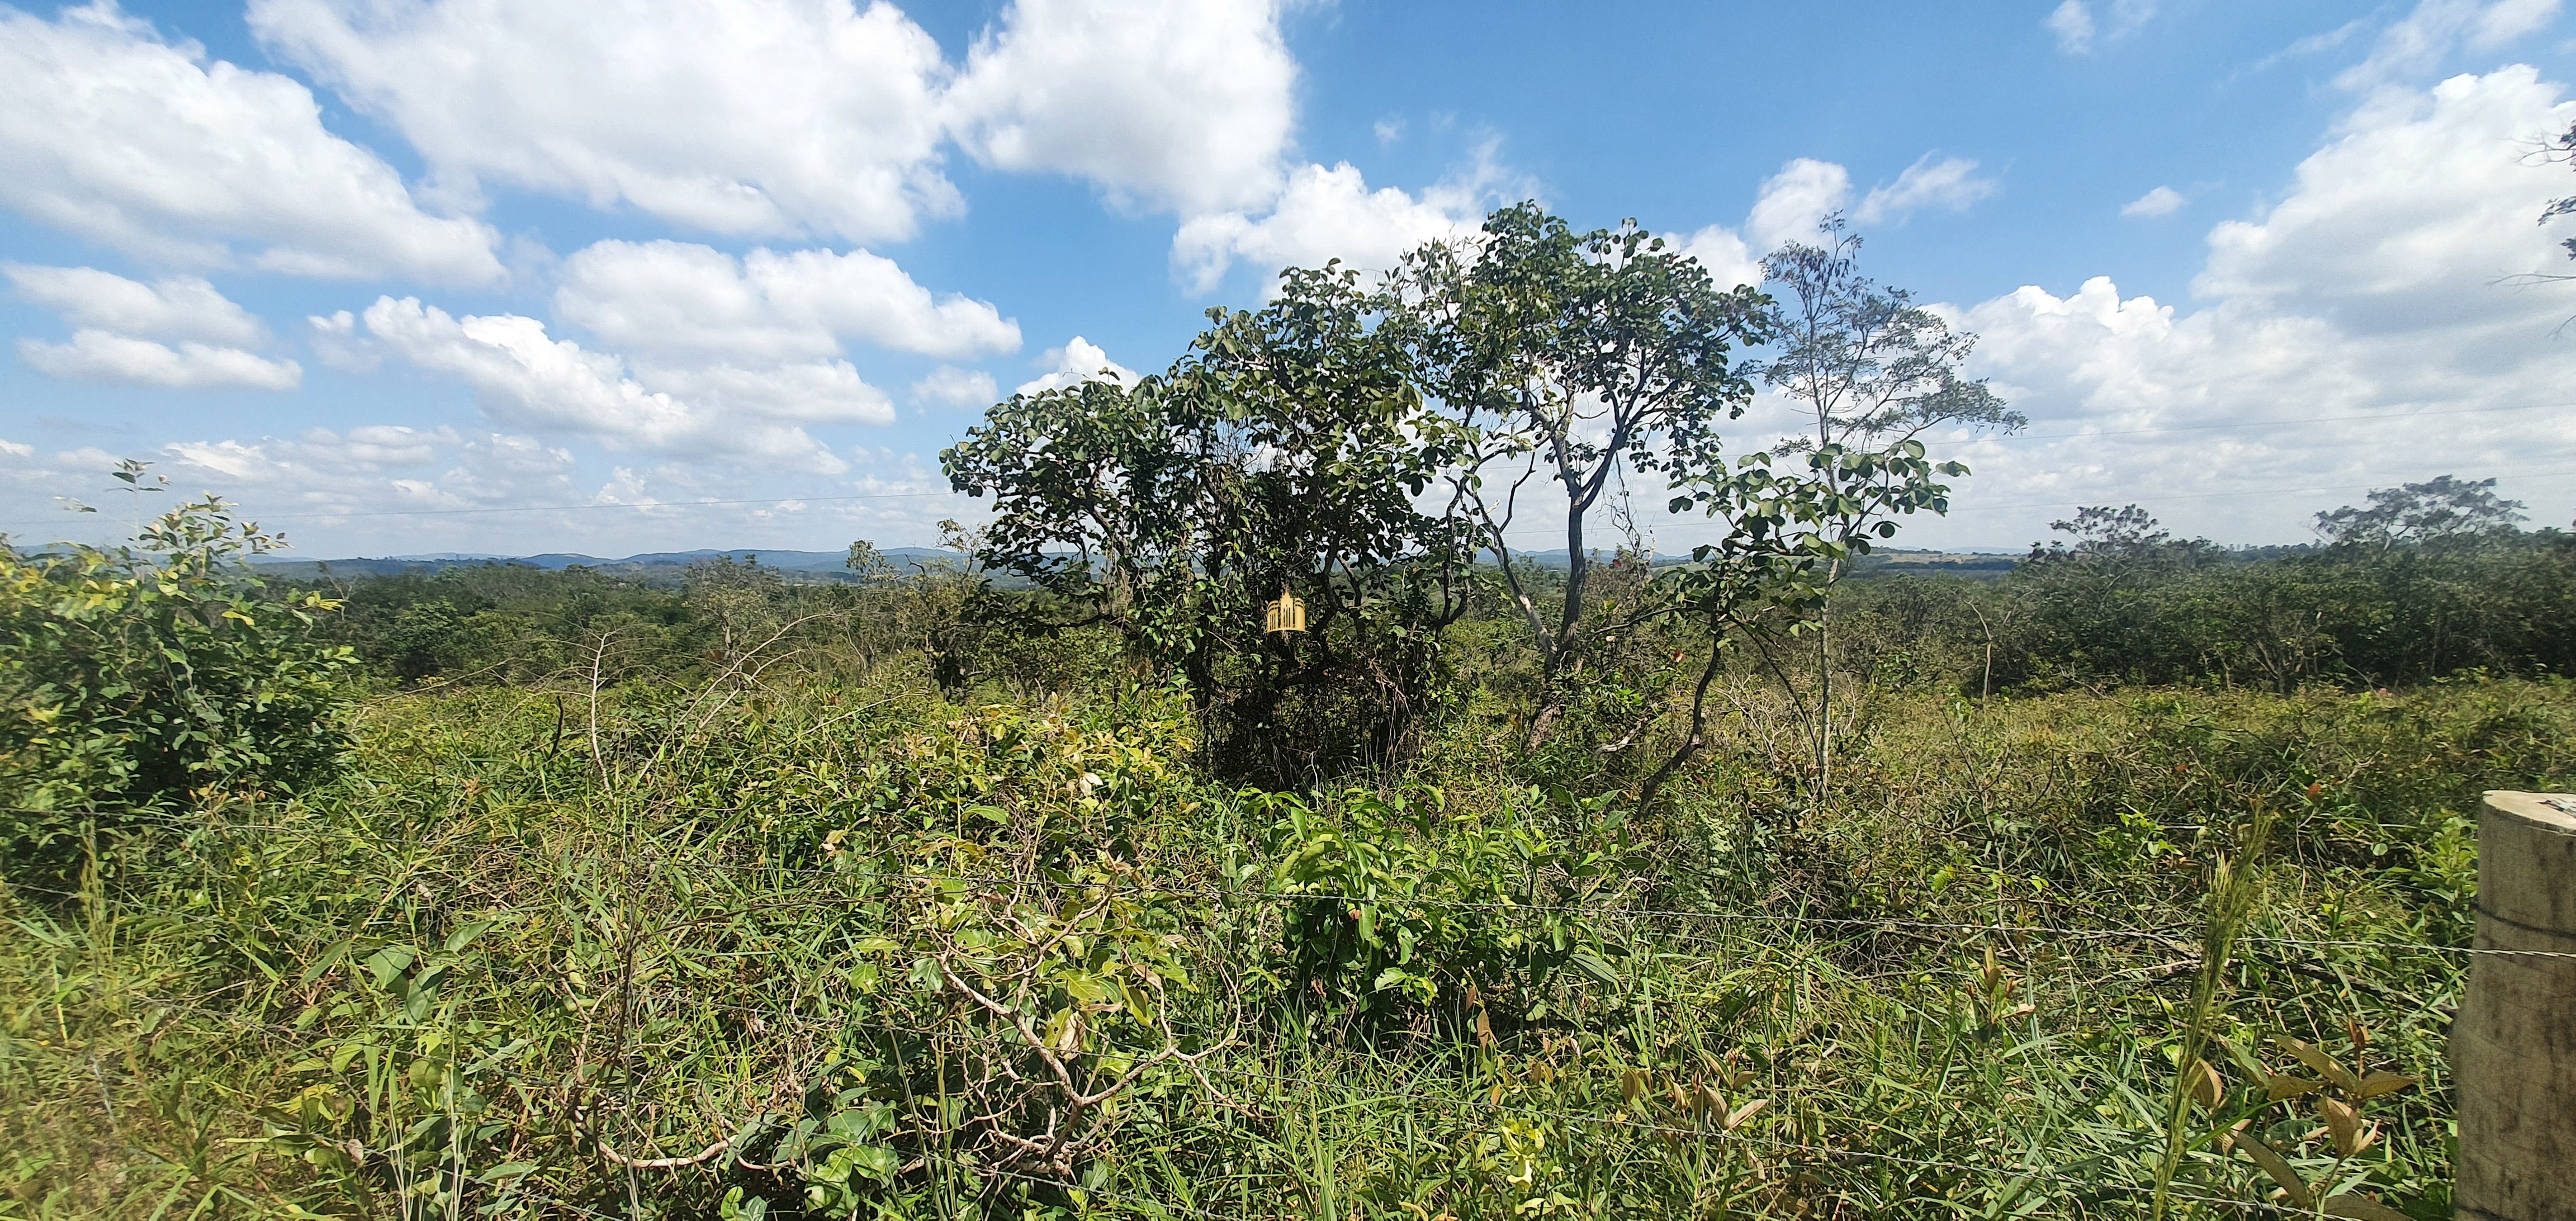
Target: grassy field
[841, 943]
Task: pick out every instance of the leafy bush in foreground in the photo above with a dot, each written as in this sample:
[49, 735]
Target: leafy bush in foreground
[135, 676]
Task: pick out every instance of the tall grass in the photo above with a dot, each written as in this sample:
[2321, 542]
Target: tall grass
[496, 974]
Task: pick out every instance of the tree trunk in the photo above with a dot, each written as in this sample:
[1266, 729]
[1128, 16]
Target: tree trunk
[1691, 740]
[1825, 690]
[1556, 648]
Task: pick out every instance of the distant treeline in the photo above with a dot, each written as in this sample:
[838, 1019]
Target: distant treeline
[2121, 602]
[2125, 601]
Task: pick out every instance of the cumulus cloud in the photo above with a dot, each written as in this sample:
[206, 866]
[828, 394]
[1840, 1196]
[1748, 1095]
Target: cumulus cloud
[120, 322]
[808, 117]
[672, 296]
[338, 344]
[2162, 201]
[1078, 361]
[1794, 200]
[152, 148]
[814, 392]
[174, 307]
[327, 477]
[950, 386]
[524, 378]
[2077, 31]
[1331, 213]
[2369, 289]
[100, 356]
[1183, 104]
[2418, 203]
[1788, 208]
[319, 461]
[757, 117]
[1722, 252]
[1951, 184]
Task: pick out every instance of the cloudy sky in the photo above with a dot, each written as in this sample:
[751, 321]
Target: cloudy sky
[415, 276]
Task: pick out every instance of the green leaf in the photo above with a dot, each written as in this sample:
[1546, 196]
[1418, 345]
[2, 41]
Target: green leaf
[388, 964]
[466, 933]
[1592, 965]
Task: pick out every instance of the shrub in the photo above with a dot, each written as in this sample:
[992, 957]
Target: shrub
[137, 675]
[1411, 904]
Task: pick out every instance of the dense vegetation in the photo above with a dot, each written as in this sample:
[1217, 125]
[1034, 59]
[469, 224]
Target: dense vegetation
[2128, 883]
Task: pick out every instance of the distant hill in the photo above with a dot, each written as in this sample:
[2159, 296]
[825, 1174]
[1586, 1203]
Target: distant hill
[826, 565]
[1883, 561]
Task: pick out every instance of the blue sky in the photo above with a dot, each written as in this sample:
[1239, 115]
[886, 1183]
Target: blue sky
[435, 275]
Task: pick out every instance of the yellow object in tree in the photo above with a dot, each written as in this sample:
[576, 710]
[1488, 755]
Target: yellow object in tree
[1285, 615]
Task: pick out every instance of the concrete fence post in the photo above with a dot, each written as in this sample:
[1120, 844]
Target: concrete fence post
[2513, 1050]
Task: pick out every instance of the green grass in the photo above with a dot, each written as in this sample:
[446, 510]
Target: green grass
[453, 984]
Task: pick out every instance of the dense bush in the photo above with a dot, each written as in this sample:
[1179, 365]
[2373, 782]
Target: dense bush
[139, 677]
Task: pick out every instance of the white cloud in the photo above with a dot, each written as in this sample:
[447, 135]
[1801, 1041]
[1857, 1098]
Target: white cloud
[1326, 214]
[120, 322]
[524, 378]
[150, 147]
[1722, 252]
[318, 459]
[2163, 201]
[817, 392]
[337, 343]
[99, 356]
[672, 296]
[1078, 361]
[175, 307]
[498, 468]
[950, 386]
[1950, 183]
[375, 468]
[1794, 200]
[2315, 44]
[2420, 41]
[808, 117]
[763, 117]
[1183, 104]
[2369, 289]
[2419, 202]
[390, 489]
[2076, 29]
[1388, 130]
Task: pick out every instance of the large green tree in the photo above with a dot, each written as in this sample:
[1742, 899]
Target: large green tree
[1574, 359]
[1284, 453]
